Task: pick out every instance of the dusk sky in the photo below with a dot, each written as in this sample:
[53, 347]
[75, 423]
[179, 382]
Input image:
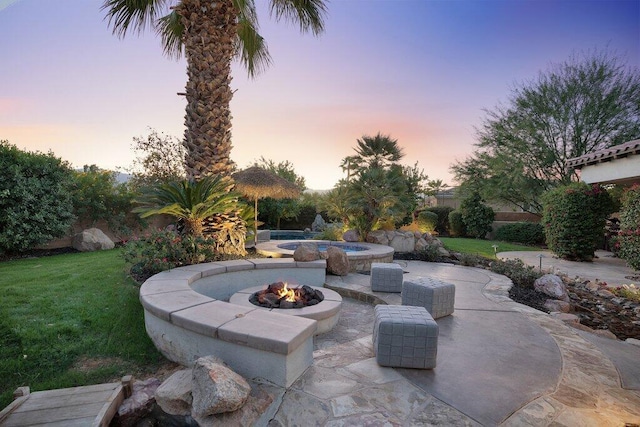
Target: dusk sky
[421, 71]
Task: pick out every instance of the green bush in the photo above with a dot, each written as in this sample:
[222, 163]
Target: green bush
[98, 196]
[427, 221]
[163, 250]
[456, 224]
[527, 233]
[35, 201]
[629, 236]
[333, 231]
[520, 274]
[442, 227]
[573, 218]
[477, 216]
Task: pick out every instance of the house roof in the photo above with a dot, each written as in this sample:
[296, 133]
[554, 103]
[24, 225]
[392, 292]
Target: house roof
[608, 154]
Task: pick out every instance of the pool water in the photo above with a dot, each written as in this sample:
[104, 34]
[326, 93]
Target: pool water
[293, 235]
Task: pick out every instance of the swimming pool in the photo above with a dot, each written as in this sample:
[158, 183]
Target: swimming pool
[360, 254]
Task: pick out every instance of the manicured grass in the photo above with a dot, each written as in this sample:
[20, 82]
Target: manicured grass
[70, 320]
[481, 247]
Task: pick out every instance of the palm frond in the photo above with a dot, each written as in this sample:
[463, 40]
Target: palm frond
[251, 48]
[309, 14]
[170, 29]
[136, 15]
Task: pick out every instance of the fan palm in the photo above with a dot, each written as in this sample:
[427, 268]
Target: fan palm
[211, 33]
[190, 201]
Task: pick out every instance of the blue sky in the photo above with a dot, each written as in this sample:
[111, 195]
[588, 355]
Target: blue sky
[421, 71]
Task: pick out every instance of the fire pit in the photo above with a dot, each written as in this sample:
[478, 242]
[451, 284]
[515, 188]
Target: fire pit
[280, 295]
[323, 305]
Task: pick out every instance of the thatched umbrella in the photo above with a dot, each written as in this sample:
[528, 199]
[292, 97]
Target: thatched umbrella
[258, 183]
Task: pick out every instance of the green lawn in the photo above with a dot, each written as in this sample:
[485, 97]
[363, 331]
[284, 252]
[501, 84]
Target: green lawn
[70, 320]
[481, 247]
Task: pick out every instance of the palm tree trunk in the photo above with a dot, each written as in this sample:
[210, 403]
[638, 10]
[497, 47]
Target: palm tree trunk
[210, 29]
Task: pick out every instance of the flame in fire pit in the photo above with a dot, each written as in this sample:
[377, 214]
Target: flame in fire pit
[288, 294]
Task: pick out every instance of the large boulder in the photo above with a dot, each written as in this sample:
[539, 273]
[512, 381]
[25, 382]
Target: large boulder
[337, 261]
[306, 252]
[92, 239]
[216, 389]
[174, 395]
[552, 285]
[403, 241]
[379, 237]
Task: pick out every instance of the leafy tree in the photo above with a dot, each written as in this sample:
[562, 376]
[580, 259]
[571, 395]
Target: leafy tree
[35, 198]
[272, 211]
[584, 104]
[159, 159]
[192, 202]
[98, 196]
[211, 34]
[574, 218]
[477, 216]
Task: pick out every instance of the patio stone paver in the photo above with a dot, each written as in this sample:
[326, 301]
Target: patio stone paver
[345, 387]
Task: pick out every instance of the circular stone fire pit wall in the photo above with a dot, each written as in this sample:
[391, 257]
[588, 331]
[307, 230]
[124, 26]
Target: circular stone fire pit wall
[187, 316]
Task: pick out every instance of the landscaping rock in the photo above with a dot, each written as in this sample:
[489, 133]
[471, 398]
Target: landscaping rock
[174, 395]
[306, 252]
[552, 285]
[403, 242]
[443, 252]
[567, 318]
[379, 237]
[139, 404]
[337, 261]
[92, 239]
[421, 244]
[351, 236]
[216, 388]
[319, 223]
[557, 306]
[605, 293]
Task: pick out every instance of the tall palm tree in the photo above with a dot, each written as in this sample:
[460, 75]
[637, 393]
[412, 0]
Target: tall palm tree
[211, 33]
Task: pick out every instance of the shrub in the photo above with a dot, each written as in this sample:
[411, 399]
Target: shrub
[456, 224]
[528, 233]
[427, 221]
[520, 274]
[630, 292]
[35, 201]
[98, 196]
[442, 227]
[573, 218]
[629, 236]
[163, 250]
[332, 232]
[477, 216]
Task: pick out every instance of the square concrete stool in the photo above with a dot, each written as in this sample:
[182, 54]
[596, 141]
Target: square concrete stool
[405, 337]
[386, 277]
[436, 296]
